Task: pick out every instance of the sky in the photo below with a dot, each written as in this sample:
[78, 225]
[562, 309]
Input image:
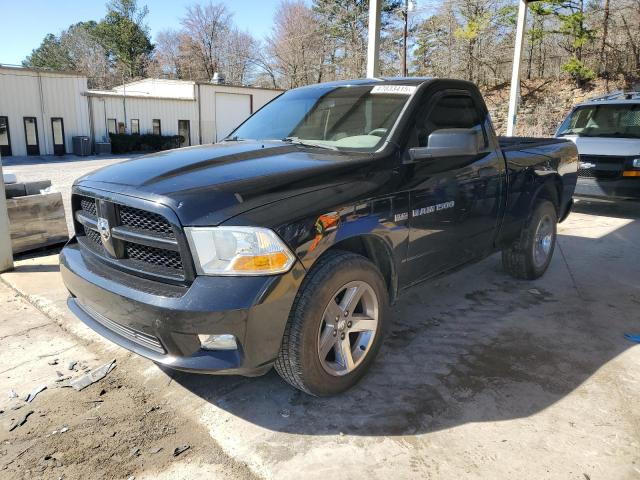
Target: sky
[26, 22]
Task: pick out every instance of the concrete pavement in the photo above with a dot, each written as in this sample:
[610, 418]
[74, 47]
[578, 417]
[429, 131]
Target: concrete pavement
[481, 376]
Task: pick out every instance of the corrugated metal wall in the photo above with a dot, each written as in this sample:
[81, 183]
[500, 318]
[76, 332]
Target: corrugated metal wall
[168, 111]
[47, 95]
[43, 95]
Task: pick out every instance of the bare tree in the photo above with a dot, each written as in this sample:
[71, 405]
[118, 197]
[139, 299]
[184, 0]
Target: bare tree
[167, 57]
[295, 46]
[205, 29]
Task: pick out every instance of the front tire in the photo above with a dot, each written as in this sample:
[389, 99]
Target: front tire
[529, 256]
[336, 325]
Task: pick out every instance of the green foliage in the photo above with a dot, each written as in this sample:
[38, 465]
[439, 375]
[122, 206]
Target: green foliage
[124, 143]
[125, 36]
[50, 55]
[578, 71]
[118, 42]
[61, 52]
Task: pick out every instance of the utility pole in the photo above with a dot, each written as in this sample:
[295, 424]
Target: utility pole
[405, 17]
[6, 253]
[514, 92]
[373, 48]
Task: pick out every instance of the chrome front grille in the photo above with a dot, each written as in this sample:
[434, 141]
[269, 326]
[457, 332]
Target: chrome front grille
[601, 166]
[137, 240]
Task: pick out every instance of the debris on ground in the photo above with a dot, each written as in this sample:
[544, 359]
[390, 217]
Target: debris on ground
[135, 451]
[155, 450]
[16, 406]
[34, 393]
[53, 362]
[72, 364]
[632, 338]
[535, 291]
[181, 449]
[20, 421]
[92, 377]
[285, 413]
[62, 379]
[13, 394]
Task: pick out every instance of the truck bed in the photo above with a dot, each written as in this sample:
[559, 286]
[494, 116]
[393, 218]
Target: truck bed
[526, 143]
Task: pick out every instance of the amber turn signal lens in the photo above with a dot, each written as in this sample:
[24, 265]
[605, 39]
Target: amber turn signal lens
[269, 262]
[631, 173]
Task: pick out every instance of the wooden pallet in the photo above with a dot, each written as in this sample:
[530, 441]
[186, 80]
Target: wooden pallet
[36, 221]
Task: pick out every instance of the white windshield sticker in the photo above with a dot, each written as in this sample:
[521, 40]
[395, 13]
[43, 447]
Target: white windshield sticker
[397, 89]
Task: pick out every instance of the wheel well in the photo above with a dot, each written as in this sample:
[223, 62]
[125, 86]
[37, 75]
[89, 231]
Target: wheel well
[551, 190]
[378, 252]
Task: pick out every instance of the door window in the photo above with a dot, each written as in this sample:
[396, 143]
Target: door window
[5, 139]
[58, 131]
[112, 125]
[57, 128]
[31, 135]
[450, 111]
[156, 127]
[135, 126]
[184, 132]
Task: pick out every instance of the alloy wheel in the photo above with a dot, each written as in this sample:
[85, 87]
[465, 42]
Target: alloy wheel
[348, 328]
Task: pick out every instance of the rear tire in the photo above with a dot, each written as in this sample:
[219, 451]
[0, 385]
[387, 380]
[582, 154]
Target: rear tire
[336, 325]
[529, 256]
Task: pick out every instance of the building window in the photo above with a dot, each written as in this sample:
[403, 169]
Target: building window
[121, 128]
[156, 127]
[112, 125]
[135, 126]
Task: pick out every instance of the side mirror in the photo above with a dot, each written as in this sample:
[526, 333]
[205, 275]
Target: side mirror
[449, 142]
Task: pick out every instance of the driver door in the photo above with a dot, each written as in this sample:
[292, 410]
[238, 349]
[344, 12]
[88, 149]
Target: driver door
[454, 198]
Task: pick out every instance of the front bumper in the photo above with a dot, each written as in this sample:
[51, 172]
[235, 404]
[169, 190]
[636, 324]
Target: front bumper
[162, 322]
[620, 188]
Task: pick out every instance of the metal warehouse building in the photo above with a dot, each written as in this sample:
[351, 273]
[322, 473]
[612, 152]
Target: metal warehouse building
[41, 111]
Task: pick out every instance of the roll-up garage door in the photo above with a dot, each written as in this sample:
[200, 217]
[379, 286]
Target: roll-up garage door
[231, 110]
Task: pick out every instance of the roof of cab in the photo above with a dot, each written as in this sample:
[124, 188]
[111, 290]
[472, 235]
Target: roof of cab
[363, 82]
[614, 98]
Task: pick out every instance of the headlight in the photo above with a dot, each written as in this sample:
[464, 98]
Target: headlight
[238, 251]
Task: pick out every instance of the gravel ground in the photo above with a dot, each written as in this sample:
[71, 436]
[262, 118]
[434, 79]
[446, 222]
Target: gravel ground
[62, 171]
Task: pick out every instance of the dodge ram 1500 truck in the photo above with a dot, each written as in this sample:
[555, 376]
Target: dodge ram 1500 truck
[284, 244]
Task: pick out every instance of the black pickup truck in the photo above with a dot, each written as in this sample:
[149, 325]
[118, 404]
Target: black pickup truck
[284, 244]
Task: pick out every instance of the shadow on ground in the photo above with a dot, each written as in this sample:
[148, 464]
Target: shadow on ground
[476, 346]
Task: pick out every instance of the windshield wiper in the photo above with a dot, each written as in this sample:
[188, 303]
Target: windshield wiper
[307, 143]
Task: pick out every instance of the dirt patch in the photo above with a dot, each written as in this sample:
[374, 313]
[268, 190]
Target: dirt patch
[111, 429]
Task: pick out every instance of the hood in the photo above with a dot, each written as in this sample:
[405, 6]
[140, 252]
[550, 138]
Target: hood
[606, 146]
[206, 185]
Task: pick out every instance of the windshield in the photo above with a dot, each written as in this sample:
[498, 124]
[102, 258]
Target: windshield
[357, 118]
[603, 121]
